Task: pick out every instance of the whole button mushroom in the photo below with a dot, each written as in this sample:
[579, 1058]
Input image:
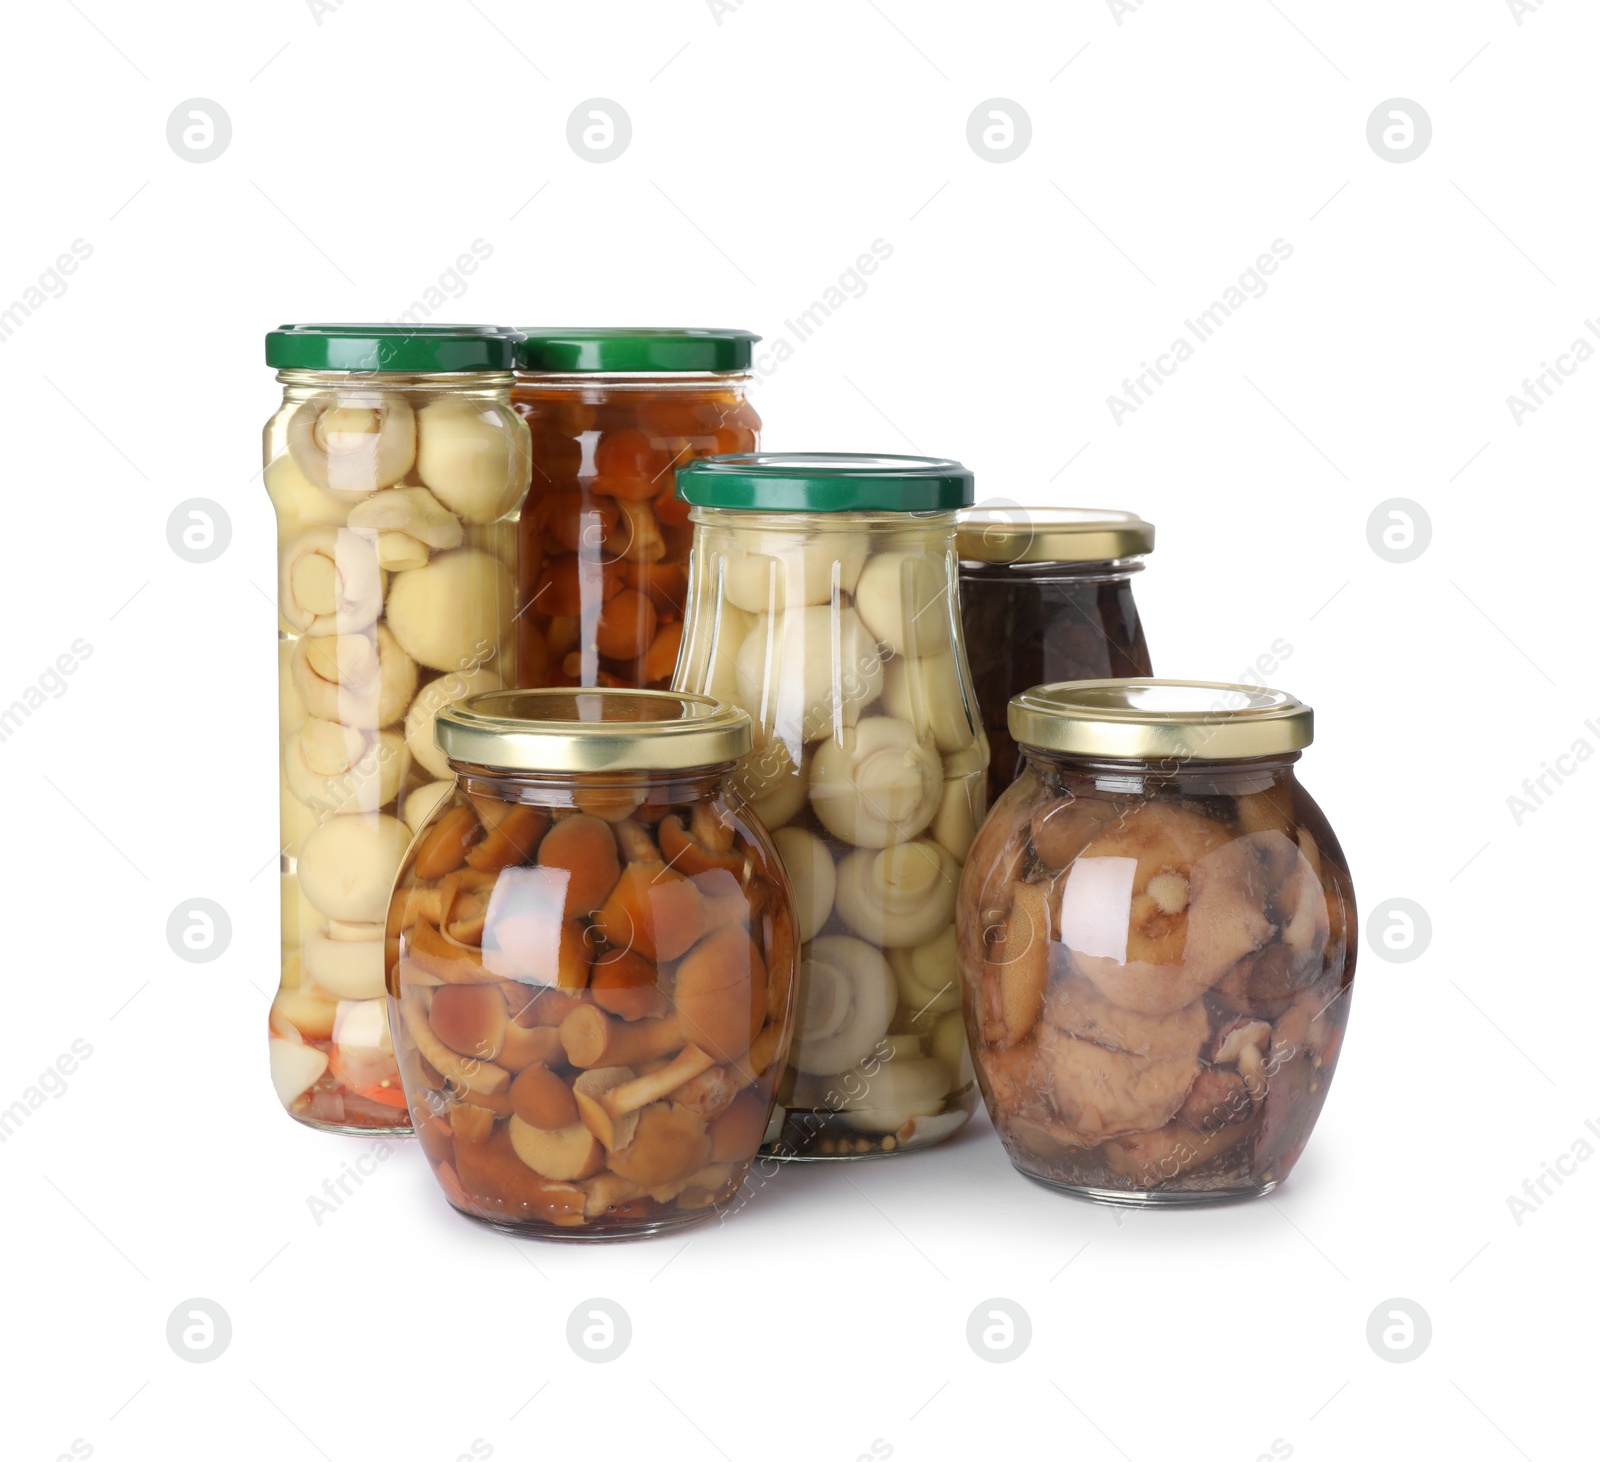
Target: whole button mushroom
[348, 865]
[449, 613]
[353, 444]
[847, 997]
[877, 783]
[475, 462]
[904, 599]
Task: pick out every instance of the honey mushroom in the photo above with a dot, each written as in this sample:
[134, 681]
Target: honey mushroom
[619, 1062]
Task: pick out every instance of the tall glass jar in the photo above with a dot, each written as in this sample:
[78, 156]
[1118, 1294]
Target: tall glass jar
[397, 468]
[591, 964]
[605, 542]
[1158, 937]
[822, 600]
[1047, 596]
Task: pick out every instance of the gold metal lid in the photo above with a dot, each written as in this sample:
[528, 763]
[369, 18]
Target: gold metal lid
[591, 730]
[1155, 720]
[1051, 535]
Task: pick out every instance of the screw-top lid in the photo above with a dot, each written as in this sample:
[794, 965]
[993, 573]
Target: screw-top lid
[1156, 720]
[605, 729]
[403, 349]
[1051, 535]
[825, 482]
[633, 351]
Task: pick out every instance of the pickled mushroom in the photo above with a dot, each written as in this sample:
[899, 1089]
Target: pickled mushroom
[904, 599]
[786, 672]
[348, 865]
[330, 583]
[360, 680]
[450, 614]
[433, 698]
[847, 998]
[354, 443]
[877, 783]
[901, 895]
[475, 459]
[414, 511]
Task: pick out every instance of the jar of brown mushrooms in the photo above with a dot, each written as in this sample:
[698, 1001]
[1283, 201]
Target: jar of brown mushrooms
[1157, 939]
[591, 960]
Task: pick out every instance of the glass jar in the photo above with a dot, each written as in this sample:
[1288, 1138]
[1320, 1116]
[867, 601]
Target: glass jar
[591, 964]
[1158, 934]
[397, 467]
[822, 600]
[1046, 596]
[605, 543]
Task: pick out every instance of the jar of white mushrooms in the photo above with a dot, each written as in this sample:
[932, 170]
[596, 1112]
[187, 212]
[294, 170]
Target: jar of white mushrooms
[822, 600]
[397, 468]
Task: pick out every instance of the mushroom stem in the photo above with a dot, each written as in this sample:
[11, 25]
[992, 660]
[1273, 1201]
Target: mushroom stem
[642, 1090]
[592, 1038]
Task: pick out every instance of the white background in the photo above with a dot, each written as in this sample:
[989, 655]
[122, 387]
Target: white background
[1169, 149]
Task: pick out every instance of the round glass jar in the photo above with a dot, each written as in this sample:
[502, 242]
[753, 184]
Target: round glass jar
[605, 543]
[1158, 935]
[591, 954]
[1047, 596]
[396, 467]
[822, 600]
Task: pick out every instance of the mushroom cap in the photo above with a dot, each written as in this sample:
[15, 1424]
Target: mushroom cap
[876, 783]
[846, 1000]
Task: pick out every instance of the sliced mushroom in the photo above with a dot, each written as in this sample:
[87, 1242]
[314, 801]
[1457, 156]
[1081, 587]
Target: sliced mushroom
[1077, 1008]
[1016, 968]
[294, 1068]
[1105, 1093]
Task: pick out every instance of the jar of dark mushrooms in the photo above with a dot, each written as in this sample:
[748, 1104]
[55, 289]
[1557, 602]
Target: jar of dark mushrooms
[1046, 596]
[1157, 937]
[591, 963]
[822, 599]
[397, 467]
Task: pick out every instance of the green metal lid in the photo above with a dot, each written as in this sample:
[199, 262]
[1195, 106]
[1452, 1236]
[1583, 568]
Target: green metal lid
[407, 349]
[826, 482]
[630, 351]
